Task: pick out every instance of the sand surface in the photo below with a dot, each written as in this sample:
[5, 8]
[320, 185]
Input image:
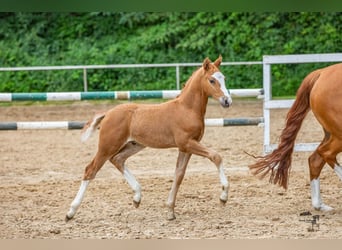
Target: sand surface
[40, 173]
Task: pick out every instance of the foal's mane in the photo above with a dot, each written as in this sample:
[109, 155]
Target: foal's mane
[186, 84]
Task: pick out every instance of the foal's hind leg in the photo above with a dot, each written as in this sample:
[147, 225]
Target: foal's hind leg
[118, 161]
[90, 172]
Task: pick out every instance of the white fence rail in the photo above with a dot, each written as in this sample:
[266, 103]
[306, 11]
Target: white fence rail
[177, 67]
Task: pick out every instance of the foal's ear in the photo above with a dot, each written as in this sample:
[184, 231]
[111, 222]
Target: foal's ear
[206, 64]
[218, 61]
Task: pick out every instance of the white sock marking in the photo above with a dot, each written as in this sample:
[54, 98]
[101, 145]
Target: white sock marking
[316, 196]
[224, 182]
[78, 199]
[338, 171]
[133, 183]
[315, 193]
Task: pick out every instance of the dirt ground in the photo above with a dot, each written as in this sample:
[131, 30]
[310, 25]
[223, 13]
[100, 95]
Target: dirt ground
[40, 173]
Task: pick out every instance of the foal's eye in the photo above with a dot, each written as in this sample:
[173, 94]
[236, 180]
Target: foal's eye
[212, 81]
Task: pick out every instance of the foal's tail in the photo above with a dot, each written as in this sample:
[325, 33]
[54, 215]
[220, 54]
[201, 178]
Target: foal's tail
[279, 161]
[91, 125]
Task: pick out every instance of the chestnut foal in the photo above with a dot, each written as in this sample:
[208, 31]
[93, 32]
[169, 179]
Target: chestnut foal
[128, 128]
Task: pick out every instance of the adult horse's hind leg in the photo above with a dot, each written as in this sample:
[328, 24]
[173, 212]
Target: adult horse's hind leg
[316, 164]
[325, 153]
[182, 162]
[118, 161]
[329, 152]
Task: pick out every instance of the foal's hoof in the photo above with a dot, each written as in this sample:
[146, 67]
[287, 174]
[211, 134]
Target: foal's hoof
[67, 218]
[223, 198]
[223, 202]
[136, 203]
[171, 216]
[224, 195]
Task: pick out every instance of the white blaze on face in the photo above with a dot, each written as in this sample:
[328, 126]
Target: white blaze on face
[220, 78]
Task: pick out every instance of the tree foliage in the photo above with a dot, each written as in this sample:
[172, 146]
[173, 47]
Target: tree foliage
[48, 39]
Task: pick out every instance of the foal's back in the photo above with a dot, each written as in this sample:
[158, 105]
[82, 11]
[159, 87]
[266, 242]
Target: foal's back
[162, 125]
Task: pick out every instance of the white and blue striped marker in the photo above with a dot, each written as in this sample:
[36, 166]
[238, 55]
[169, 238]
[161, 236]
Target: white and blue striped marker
[39, 125]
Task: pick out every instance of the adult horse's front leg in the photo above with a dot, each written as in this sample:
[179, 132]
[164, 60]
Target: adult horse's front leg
[182, 162]
[194, 147]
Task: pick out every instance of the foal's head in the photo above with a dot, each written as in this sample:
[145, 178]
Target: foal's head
[213, 82]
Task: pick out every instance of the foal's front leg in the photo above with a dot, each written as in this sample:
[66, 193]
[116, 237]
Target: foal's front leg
[182, 162]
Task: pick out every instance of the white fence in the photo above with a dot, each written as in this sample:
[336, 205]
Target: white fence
[276, 104]
[84, 68]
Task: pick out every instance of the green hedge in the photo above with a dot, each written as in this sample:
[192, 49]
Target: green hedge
[48, 39]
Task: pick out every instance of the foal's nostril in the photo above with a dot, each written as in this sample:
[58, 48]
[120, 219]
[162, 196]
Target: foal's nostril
[226, 102]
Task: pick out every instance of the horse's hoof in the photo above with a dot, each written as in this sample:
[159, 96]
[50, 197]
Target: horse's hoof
[171, 216]
[136, 203]
[324, 208]
[223, 201]
[223, 198]
[67, 218]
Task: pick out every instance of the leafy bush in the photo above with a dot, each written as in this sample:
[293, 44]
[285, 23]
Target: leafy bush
[46, 39]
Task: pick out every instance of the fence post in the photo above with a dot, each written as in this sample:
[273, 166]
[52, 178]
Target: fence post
[177, 77]
[85, 82]
[267, 97]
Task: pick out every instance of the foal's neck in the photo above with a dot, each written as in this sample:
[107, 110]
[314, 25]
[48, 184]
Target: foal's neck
[193, 96]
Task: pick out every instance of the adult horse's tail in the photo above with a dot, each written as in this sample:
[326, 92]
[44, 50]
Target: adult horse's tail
[279, 161]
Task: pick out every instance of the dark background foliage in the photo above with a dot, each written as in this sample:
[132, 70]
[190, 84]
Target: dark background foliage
[50, 39]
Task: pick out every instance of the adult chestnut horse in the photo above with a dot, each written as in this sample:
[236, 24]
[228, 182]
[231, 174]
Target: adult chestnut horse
[128, 128]
[321, 90]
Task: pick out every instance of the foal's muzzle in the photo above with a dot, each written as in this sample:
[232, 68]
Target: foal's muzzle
[225, 101]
